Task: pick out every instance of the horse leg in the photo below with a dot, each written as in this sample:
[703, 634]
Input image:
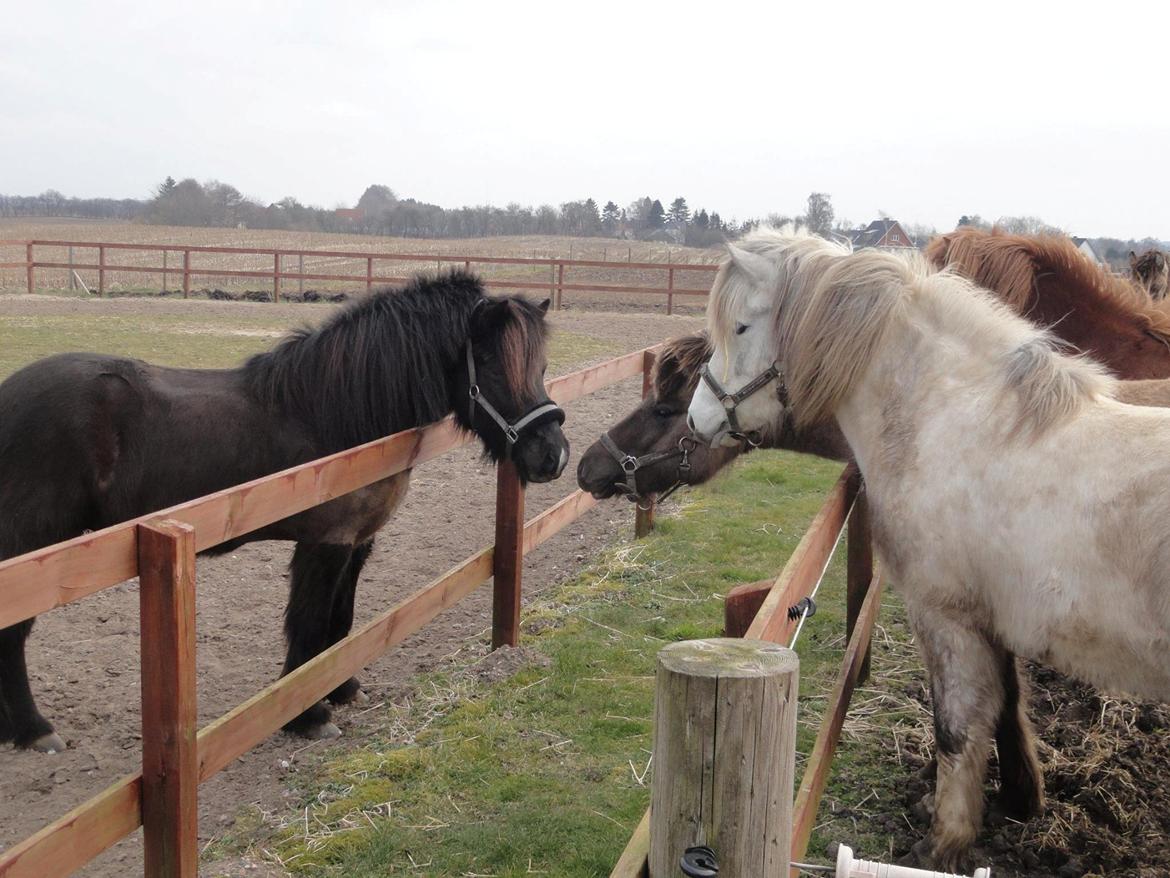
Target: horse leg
[967, 693]
[341, 620]
[1021, 781]
[20, 721]
[316, 573]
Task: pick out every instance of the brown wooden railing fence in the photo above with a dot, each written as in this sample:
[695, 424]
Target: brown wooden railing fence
[555, 286]
[798, 579]
[160, 549]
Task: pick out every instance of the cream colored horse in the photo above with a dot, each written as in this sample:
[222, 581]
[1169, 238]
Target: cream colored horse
[1017, 504]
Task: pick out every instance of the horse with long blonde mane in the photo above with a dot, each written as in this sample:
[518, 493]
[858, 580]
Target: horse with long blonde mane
[1015, 500]
[1049, 281]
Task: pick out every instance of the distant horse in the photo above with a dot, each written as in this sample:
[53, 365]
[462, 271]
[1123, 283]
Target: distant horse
[88, 440]
[1151, 271]
[650, 450]
[1012, 495]
[1050, 282]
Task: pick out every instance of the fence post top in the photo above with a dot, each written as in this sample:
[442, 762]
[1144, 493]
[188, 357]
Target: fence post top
[727, 657]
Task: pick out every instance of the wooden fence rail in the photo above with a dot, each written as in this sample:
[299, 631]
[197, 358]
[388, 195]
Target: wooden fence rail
[160, 549]
[555, 286]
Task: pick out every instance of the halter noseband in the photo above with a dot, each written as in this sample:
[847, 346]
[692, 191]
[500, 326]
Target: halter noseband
[541, 413]
[630, 464]
[731, 401]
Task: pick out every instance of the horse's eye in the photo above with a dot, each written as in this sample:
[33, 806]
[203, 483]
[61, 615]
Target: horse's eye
[740, 328]
[663, 411]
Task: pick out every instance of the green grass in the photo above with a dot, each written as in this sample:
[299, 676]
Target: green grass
[538, 773]
[202, 340]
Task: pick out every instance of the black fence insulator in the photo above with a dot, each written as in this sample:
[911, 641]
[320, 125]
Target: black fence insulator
[797, 609]
[699, 862]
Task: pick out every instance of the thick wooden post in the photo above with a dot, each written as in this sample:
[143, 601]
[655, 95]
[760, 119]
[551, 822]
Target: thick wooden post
[560, 286]
[28, 256]
[644, 518]
[508, 560]
[859, 573]
[276, 278]
[724, 755]
[186, 273]
[670, 291]
[101, 271]
[369, 273]
[170, 761]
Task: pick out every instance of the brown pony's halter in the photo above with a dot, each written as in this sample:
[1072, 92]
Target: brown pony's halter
[630, 465]
[542, 411]
[731, 401]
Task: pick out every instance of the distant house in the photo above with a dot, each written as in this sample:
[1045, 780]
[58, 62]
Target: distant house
[1085, 247]
[356, 214]
[886, 234]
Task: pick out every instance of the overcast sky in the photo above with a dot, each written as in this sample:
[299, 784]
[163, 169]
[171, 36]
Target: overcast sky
[908, 108]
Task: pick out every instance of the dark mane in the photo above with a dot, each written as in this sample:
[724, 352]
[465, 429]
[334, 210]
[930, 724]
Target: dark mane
[1018, 268]
[676, 370]
[376, 367]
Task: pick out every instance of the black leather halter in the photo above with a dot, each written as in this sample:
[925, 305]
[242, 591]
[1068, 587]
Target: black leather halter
[630, 464]
[731, 401]
[543, 411]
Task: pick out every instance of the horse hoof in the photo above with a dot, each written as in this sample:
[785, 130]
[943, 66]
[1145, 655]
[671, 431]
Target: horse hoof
[50, 743]
[322, 732]
[360, 697]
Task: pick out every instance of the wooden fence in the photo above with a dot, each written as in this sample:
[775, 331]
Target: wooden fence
[160, 549]
[798, 579]
[278, 274]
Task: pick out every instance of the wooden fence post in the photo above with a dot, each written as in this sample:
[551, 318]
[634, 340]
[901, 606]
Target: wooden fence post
[28, 255]
[170, 761]
[670, 291]
[186, 274]
[72, 279]
[724, 755]
[644, 518]
[508, 559]
[101, 271]
[276, 278]
[560, 286]
[301, 272]
[164, 286]
[859, 569]
[369, 273]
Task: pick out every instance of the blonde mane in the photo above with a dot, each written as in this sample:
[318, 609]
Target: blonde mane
[833, 311]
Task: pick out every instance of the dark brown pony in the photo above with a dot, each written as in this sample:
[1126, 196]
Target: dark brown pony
[1151, 272]
[88, 440]
[658, 424]
[1047, 280]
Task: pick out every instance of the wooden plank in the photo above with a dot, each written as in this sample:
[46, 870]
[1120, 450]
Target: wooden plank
[803, 570]
[816, 772]
[554, 519]
[71, 841]
[635, 858]
[170, 781]
[508, 558]
[56, 575]
[859, 547]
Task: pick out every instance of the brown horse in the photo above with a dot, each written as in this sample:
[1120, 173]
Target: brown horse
[1050, 282]
[1151, 271]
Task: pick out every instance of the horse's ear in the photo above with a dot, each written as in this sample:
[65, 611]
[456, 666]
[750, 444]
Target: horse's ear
[757, 267]
[488, 317]
[543, 306]
[1132, 259]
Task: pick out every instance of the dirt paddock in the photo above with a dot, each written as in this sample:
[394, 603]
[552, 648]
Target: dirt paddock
[84, 660]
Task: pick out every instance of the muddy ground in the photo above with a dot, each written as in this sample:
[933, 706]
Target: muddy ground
[84, 657]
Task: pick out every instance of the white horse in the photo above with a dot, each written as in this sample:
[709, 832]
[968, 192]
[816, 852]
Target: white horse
[1017, 505]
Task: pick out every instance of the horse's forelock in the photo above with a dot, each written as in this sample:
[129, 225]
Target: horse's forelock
[522, 344]
[676, 370]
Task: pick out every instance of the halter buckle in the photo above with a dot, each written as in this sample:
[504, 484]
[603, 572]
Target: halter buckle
[629, 464]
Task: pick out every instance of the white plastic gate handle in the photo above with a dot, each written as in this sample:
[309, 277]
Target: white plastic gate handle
[847, 867]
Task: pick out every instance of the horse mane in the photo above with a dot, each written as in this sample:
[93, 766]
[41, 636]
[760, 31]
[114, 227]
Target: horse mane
[676, 369]
[385, 363]
[1018, 268]
[835, 309]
